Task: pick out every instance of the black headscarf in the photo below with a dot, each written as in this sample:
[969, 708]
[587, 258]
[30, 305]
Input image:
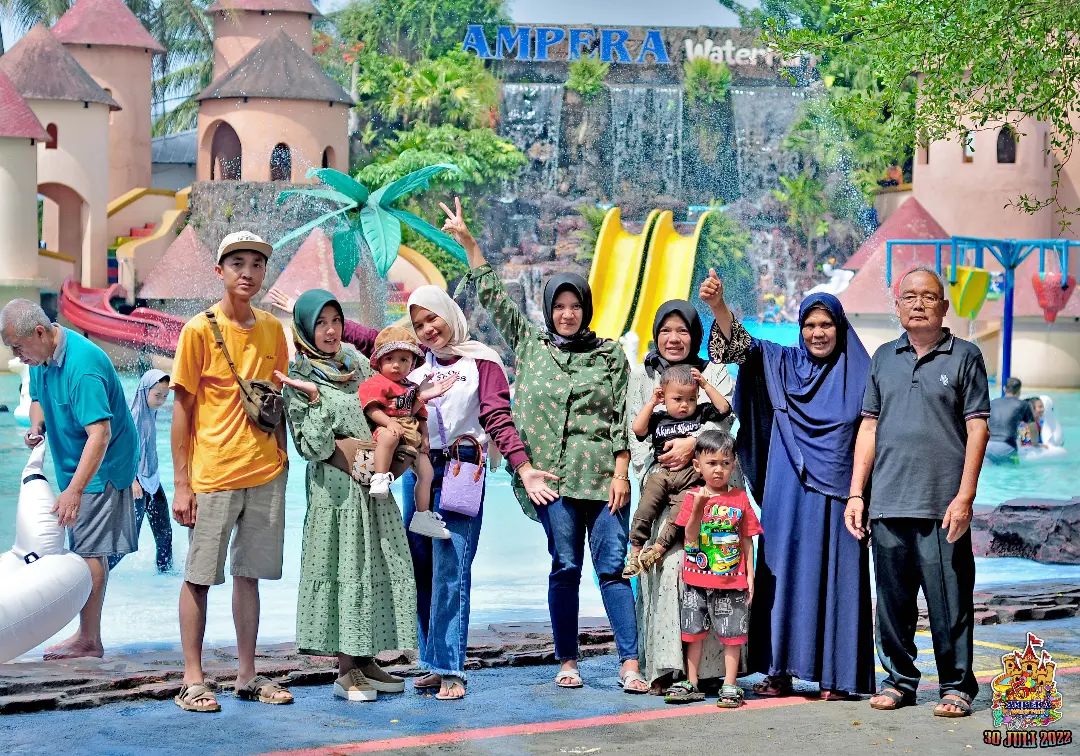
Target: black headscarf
[654, 361]
[584, 340]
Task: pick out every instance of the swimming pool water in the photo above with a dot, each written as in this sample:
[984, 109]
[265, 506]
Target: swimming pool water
[510, 571]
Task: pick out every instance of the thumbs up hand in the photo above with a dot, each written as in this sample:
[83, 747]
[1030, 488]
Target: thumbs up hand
[712, 290]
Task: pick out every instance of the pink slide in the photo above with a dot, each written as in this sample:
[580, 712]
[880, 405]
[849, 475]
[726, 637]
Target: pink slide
[90, 311]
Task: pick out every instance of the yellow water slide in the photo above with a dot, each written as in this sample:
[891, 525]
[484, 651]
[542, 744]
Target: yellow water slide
[615, 273]
[669, 273]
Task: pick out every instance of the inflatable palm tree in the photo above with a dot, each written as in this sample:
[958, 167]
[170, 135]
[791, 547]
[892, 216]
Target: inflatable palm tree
[369, 216]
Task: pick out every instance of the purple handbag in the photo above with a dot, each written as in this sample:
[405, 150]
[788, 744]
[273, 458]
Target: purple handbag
[463, 482]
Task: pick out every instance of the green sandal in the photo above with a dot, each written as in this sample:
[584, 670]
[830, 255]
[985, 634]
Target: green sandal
[731, 697]
[683, 692]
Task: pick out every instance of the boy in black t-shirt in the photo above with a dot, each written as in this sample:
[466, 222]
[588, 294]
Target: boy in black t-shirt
[680, 417]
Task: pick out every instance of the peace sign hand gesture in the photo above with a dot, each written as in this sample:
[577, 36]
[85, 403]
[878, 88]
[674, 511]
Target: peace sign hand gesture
[455, 226]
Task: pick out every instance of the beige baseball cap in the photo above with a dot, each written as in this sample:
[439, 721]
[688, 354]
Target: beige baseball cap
[243, 241]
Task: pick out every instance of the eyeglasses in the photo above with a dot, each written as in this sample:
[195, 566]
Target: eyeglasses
[929, 300]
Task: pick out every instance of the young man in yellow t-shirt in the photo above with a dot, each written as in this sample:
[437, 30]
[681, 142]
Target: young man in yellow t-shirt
[229, 475]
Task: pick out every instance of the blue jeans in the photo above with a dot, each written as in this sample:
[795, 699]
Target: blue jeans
[566, 522]
[443, 569]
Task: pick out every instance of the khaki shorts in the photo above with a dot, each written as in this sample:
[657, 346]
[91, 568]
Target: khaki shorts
[254, 519]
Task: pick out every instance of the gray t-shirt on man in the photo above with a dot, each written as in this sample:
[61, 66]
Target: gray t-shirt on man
[922, 407]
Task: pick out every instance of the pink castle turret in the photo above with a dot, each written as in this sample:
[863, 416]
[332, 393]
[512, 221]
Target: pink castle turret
[114, 48]
[240, 25]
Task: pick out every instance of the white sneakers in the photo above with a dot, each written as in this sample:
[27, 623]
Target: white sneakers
[428, 524]
[380, 485]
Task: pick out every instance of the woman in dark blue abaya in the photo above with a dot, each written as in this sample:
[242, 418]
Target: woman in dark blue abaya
[798, 410]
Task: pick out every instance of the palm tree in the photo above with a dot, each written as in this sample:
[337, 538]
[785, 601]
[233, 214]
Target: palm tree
[25, 13]
[803, 199]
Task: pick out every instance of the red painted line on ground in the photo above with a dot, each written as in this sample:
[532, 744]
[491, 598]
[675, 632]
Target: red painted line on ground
[537, 728]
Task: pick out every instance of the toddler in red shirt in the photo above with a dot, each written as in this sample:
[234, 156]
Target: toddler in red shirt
[395, 409]
[718, 568]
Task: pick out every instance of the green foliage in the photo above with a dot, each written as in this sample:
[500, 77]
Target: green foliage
[415, 29]
[594, 218]
[804, 202]
[483, 158]
[586, 77]
[723, 246]
[706, 82]
[451, 267]
[976, 65]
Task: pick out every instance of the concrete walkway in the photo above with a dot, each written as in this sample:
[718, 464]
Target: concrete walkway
[513, 710]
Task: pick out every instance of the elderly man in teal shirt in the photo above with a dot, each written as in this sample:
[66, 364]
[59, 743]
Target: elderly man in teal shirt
[76, 397]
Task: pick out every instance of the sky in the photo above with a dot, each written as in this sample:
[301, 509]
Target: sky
[598, 12]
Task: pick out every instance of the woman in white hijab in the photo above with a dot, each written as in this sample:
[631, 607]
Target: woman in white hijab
[478, 406]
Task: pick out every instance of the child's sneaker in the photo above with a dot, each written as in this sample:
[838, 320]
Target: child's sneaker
[633, 566]
[428, 524]
[380, 485]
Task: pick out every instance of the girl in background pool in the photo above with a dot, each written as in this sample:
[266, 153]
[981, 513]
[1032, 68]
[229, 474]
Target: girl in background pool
[149, 496]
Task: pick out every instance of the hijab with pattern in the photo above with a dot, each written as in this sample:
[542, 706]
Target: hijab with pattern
[584, 340]
[336, 368]
[656, 362]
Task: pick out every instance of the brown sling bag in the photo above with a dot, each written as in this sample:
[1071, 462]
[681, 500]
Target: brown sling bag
[261, 400]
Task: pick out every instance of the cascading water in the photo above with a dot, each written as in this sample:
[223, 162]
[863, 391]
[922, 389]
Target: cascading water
[763, 116]
[646, 138]
[532, 120]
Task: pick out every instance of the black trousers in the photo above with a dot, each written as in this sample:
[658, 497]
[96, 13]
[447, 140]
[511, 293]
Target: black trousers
[910, 554]
[155, 507]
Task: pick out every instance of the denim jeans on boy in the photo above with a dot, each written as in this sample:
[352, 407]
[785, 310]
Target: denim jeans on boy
[566, 522]
[443, 569]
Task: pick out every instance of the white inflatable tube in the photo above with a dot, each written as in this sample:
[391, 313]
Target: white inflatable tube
[22, 412]
[1030, 454]
[42, 585]
[1053, 432]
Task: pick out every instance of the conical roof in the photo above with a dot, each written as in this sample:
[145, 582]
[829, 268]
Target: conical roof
[17, 120]
[279, 6]
[278, 69]
[185, 271]
[868, 293]
[103, 22]
[909, 221]
[312, 267]
[41, 69]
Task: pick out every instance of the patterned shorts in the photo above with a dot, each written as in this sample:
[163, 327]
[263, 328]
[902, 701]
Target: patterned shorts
[721, 611]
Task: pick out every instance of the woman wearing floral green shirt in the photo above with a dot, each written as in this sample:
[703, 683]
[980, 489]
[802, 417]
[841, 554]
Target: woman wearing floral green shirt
[570, 411]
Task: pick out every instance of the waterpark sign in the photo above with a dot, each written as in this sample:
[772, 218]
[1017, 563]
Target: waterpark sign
[537, 43]
[639, 46]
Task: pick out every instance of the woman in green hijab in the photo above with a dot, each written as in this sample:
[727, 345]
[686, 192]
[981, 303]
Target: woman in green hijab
[357, 593]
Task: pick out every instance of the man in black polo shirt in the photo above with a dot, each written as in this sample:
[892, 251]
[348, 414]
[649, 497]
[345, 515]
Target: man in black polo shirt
[923, 434]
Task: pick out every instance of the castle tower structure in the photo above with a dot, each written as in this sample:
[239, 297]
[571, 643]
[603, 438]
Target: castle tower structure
[272, 116]
[110, 43]
[20, 131]
[240, 25]
[74, 159]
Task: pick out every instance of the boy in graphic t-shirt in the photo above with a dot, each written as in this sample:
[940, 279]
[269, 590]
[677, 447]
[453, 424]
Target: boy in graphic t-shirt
[718, 568]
